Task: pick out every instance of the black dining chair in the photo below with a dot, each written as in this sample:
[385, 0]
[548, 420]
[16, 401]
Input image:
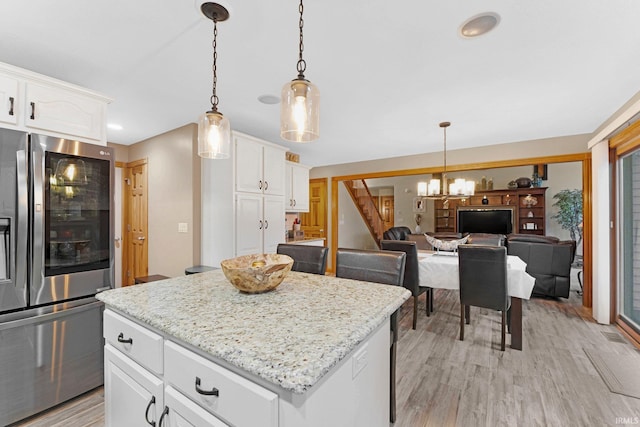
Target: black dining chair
[386, 267]
[411, 274]
[306, 259]
[483, 282]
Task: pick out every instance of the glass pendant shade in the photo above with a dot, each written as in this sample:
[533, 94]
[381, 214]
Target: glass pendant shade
[434, 187]
[214, 136]
[70, 171]
[422, 188]
[300, 111]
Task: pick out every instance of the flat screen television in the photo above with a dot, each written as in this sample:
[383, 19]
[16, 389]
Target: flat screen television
[495, 221]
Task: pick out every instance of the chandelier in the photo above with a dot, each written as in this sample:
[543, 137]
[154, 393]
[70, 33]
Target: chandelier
[458, 189]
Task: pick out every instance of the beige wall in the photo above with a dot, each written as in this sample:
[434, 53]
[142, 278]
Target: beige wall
[519, 150]
[173, 169]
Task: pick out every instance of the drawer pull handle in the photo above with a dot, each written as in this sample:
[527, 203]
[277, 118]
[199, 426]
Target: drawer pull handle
[266, 224]
[260, 184]
[213, 392]
[33, 110]
[266, 185]
[165, 412]
[11, 101]
[123, 341]
[146, 413]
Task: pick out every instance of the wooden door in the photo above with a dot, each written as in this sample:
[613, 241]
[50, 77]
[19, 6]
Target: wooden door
[135, 233]
[314, 223]
[386, 210]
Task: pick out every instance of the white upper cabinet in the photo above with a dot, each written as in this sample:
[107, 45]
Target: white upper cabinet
[57, 110]
[259, 167]
[8, 100]
[32, 102]
[297, 182]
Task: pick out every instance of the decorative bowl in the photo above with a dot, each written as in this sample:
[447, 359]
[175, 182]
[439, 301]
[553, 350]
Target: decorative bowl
[257, 273]
[523, 182]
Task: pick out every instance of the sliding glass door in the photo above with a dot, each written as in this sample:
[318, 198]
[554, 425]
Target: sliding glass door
[629, 239]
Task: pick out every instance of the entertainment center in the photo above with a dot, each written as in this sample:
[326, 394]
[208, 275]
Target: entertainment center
[524, 206]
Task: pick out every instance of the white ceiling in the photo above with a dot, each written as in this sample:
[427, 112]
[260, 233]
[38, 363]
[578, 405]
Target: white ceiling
[388, 72]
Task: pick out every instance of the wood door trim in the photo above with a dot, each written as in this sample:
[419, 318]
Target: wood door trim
[585, 158]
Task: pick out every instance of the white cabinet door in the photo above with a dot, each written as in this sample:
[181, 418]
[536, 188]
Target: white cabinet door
[249, 224]
[300, 188]
[57, 110]
[8, 100]
[248, 165]
[133, 396]
[274, 171]
[274, 223]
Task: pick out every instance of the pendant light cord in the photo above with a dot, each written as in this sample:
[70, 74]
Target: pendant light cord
[302, 65]
[214, 96]
[445, 150]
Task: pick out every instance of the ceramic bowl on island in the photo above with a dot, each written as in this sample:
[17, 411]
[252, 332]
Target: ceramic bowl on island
[257, 273]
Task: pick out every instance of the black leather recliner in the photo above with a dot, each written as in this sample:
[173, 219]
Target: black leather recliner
[548, 260]
[397, 233]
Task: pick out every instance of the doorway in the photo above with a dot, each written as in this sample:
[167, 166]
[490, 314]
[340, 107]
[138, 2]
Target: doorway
[314, 223]
[135, 226]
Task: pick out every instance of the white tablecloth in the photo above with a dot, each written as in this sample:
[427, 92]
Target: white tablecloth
[441, 271]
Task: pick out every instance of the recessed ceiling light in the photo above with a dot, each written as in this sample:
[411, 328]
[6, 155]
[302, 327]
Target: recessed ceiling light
[269, 99]
[114, 126]
[479, 24]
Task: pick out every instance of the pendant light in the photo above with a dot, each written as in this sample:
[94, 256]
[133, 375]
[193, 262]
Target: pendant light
[459, 189]
[214, 130]
[300, 104]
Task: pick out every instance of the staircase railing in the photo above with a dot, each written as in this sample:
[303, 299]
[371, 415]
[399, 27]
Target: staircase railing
[369, 212]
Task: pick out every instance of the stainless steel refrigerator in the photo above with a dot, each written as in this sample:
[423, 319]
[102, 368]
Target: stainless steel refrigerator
[56, 253]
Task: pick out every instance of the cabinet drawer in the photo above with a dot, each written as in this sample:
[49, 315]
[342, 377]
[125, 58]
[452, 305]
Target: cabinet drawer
[140, 344]
[239, 401]
[184, 412]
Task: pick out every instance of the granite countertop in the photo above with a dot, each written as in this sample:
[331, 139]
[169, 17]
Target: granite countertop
[291, 336]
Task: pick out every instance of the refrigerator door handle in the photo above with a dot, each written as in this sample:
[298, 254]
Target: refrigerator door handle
[37, 231]
[21, 228]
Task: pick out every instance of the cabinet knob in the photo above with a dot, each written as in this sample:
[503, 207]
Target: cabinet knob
[11, 101]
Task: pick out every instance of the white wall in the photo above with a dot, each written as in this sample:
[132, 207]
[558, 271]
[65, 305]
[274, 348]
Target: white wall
[352, 231]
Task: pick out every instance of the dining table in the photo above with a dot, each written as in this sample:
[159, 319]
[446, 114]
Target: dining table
[440, 270]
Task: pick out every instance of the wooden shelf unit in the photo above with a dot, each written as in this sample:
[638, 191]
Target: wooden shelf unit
[527, 220]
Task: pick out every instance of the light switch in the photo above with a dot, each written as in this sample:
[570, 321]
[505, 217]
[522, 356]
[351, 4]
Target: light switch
[183, 227]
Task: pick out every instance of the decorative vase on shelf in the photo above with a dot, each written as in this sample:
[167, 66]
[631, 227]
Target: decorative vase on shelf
[529, 201]
[523, 182]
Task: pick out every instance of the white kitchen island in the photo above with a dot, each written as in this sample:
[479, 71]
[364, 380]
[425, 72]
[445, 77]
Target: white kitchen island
[313, 352]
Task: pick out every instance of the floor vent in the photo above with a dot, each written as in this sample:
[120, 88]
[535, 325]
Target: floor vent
[614, 337]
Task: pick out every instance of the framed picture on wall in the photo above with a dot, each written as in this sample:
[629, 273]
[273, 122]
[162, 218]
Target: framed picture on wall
[541, 171]
[419, 204]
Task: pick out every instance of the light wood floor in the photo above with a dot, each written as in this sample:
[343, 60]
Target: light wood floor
[446, 382]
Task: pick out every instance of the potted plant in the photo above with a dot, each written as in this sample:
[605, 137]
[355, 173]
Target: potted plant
[569, 216]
